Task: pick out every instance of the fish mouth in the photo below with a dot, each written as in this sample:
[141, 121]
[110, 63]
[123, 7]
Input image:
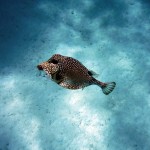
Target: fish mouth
[39, 67]
[42, 72]
[47, 69]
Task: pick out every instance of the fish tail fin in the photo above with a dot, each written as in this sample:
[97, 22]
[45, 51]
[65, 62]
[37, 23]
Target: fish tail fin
[106, 87]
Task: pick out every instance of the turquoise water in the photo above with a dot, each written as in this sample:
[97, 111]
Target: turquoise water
[111, 38]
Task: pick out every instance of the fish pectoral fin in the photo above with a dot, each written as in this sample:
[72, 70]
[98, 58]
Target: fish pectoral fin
[92, 73]
[70, 84]
[57, 77]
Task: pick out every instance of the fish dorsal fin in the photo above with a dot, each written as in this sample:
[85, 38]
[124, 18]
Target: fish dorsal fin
[92, 73]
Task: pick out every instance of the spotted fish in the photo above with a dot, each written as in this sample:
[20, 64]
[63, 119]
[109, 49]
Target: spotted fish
[71, 74]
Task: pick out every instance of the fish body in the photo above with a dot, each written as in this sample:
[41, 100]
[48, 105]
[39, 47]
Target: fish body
[72, 74]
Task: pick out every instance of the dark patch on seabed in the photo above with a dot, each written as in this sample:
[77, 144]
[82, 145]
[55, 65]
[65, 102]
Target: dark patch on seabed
[111, 38]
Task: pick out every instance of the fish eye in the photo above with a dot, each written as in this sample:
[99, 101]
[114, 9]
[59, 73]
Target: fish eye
[54, 61]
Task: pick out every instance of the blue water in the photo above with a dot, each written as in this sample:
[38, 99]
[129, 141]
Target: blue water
[110, 37]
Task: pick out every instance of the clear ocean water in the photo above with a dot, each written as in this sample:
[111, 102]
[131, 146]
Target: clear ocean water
[111, 37]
